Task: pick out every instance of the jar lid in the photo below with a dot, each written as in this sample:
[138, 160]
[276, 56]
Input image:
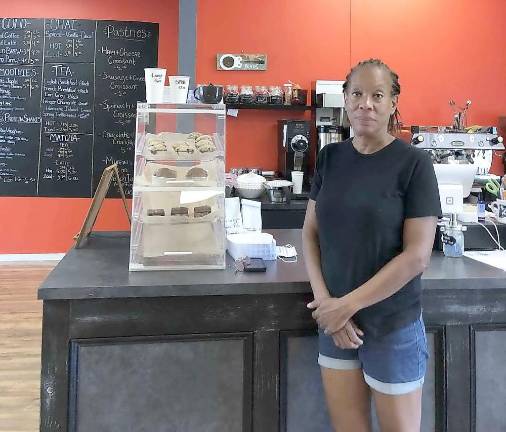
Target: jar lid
[250, 178]
[278, 183]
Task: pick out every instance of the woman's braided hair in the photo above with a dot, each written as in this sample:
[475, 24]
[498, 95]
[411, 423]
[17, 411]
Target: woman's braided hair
[394, 123]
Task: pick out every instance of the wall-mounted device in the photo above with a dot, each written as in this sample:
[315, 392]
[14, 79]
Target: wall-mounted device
[228, 61]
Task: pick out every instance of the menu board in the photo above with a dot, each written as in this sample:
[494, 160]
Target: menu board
[68, 96]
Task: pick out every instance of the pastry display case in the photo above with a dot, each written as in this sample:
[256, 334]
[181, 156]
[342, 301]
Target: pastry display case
[178, 209]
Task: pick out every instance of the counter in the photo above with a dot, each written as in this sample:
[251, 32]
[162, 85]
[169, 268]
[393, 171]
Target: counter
[291, 216]
[219, 350]
[283, 215]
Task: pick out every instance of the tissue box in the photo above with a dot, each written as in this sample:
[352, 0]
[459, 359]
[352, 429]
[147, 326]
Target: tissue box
[252, 245]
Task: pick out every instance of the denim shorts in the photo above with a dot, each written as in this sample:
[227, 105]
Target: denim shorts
[393, 364]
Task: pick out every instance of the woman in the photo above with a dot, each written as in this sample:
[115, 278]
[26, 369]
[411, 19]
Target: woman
[368, 236]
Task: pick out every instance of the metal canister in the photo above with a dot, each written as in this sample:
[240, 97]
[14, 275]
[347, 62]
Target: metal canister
[335, 134]
[322, 137]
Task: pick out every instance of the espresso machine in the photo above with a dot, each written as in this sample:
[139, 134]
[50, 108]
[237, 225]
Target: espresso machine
[462, 157]
[332, 124]
[293, 147]
[447, 145]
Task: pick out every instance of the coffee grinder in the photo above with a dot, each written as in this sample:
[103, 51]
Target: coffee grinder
[293, 147]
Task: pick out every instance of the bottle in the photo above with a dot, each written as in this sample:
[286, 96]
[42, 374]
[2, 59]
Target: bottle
[481, 208]
[452, 237]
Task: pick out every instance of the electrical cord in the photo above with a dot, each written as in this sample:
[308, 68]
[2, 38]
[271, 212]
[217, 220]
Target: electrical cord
[498, 241]
[497, 232]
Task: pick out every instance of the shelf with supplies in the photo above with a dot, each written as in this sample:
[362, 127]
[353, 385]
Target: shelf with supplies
[270, 107]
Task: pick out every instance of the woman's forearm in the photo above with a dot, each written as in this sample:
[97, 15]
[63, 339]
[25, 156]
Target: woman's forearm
[311, 250]
[390, 279]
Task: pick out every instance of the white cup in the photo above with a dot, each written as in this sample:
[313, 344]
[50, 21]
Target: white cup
[499, 209]
[297, 177]
[155, 79]
[179, 88]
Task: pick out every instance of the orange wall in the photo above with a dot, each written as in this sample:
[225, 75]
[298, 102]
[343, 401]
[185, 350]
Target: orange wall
[45, 225]
[303, 40]
[441, 50]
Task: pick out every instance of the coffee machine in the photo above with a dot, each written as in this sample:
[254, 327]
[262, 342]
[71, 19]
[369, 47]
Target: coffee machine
[448, 145]
[293, 147]
[332, 124]
[462, 157]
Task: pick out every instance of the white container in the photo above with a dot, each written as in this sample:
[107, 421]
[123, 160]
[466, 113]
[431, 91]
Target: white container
[155, 80]
[178, 88]
[297, 178]
[252, 245]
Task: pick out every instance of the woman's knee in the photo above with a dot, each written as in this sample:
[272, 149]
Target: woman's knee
[348, 399]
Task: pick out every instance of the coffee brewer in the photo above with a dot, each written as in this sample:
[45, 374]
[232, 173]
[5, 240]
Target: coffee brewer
[332, 124]
[293, 147]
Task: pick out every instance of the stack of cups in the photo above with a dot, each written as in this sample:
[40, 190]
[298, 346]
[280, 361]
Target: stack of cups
[155, 80]
[297, 178]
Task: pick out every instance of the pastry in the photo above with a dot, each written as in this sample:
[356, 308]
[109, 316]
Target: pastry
[183, 147]
[206, 147]
[203, 137]
[201, 211]
[196, 173]
[194, 135]
[156, 212]
[179, 211]
[156, 145]
[165, 173]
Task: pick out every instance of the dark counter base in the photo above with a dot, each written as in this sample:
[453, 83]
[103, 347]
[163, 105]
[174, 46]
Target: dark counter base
[259, 353]
[130, 352]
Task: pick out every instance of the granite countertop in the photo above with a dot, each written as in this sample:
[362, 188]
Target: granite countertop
[100, 270]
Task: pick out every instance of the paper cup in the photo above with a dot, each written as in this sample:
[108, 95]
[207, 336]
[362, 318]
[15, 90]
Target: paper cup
[297, 177]
[155, 80]
[179, 88]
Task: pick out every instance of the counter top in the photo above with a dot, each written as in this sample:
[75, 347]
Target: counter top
[100, 270]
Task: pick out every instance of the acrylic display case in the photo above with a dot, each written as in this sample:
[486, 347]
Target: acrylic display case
[178, 209]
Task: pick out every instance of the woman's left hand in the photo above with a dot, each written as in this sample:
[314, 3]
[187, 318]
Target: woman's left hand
[332, 313]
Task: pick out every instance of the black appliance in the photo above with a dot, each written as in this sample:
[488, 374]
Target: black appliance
[293, 147]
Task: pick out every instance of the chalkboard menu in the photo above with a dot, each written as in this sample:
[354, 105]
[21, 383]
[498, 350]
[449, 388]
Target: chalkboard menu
[68, 96]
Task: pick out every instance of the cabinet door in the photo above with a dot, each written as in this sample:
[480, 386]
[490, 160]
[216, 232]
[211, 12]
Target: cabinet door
[490, 358]
[303, 405]
[197, 383]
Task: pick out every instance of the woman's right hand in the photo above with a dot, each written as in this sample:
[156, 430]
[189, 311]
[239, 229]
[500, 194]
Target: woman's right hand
[349, 336]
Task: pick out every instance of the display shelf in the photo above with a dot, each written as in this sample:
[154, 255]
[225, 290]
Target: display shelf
[178, 216]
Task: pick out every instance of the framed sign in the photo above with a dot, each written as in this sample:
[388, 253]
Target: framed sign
[227, 61]
[103, 186]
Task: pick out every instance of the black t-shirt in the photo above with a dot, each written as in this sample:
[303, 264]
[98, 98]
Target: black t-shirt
[362, 201]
